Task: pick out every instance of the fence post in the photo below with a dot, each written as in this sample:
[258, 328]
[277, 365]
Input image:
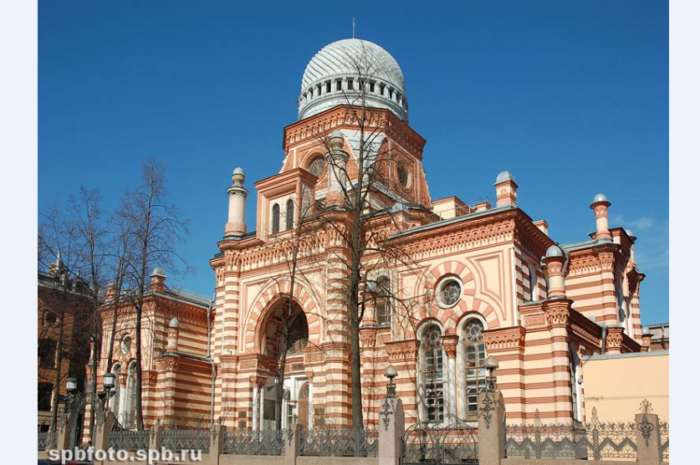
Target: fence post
[216, 444]
[63, 432]
[292, 440]
[492, 413]
[155, 437]
[103, 427]
[391, 428]
[648, 439]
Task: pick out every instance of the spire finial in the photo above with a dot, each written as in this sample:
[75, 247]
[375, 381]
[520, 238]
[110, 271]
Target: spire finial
[353, 27]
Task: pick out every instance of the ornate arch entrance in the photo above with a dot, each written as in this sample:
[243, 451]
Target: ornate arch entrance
[282, 335]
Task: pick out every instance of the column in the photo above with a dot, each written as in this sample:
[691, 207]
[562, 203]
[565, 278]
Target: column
[449, 343]
[168, 367]
[311, 404]
[255, 402]
[336, 160]
[262, 408]
[557, 315]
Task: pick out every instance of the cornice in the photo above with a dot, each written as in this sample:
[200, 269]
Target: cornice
[341, 116]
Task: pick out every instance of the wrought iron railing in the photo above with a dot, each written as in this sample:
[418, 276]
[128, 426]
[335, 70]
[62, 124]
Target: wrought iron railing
[589, 441]
[356, 442]
[246, 442]
[128, 440]
[43, 439]
[178, 440]
[456, 443]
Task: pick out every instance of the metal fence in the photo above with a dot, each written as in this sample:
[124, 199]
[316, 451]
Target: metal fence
[589, 441]
[357, 442]
[44, 438]
[246, 442]
[178, 440]
[664, 444]
[456, 443]
[128, 440]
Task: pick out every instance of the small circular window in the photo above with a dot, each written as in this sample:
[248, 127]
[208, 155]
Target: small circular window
[317, 166]
[449, 291]
[126, 344]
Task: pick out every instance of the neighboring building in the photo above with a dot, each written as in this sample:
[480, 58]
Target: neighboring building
[616, 385]
[660, 336]
[63, 338]
[482, 280]
[175, 340]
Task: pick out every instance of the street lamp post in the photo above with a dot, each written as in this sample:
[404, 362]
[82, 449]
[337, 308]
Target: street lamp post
[108, 390]
[491, 365]
[391, 373]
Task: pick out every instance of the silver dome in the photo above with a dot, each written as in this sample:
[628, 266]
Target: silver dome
[504, 176]
[600, 198]
[337, 63]
[158, 272]
[554, 251]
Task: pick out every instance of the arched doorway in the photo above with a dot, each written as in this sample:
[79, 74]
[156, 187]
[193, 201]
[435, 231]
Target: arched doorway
[284, 335]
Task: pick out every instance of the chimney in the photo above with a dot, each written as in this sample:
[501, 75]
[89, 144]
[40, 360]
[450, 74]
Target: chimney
[600, 206]
[111, 291]
[236, 205]
[158, 280]
[542, 225]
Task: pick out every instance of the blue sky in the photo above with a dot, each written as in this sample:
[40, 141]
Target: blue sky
[571, 97]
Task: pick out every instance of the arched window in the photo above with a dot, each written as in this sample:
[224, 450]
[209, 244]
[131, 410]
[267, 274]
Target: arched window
[620, 301]
[383, 307]
[275, 219]
[434, 374]
[130, 398]
[475, 358]
[114, 401]
[575, 386]
[534, 292]
[289, 219]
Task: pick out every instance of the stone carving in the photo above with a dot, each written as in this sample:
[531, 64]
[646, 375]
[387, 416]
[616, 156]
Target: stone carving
[506, 338]
[614, 338]
[601, 211]
[402, 350]
[534, 320]
[557, 315]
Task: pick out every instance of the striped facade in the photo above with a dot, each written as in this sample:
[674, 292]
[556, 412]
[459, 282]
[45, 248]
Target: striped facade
[478, 281]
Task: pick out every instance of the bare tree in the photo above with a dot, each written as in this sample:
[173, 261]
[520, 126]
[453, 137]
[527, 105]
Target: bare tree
[154, 230]
[92, 233]
[366, 194]
[62, 293]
